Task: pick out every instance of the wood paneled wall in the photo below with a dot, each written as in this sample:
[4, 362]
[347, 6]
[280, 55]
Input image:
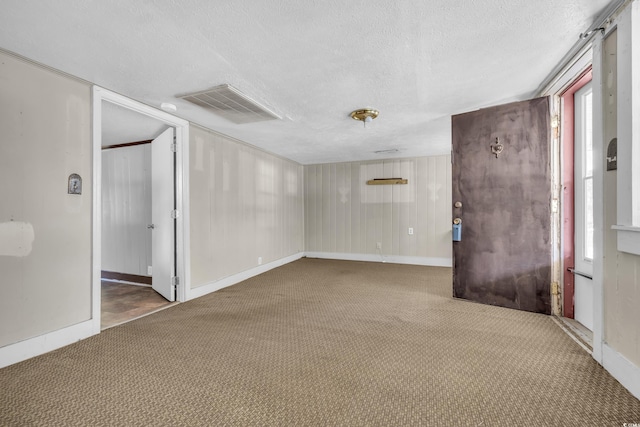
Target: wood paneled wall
[621, 270]
[126, 209]
[245, 204]
[343, 215]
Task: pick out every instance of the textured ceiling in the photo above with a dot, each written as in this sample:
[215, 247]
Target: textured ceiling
[417, 61]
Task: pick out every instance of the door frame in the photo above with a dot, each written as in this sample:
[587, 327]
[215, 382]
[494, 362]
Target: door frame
[181, 185]
[567, 168]
[571, 71]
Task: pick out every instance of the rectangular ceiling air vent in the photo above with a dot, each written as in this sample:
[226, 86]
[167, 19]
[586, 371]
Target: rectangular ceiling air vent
[230, 103]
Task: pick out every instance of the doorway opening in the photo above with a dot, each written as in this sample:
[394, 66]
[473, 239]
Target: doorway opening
[138, 233]
[128, 190]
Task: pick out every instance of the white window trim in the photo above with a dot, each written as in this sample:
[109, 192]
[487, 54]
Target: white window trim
[628, 188]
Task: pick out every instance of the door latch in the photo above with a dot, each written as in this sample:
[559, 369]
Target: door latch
[457, 229]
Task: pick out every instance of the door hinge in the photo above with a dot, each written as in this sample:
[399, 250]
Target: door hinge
[174, 147]
[175, 214]
[555, 288]
[175, 281]
[555, 122]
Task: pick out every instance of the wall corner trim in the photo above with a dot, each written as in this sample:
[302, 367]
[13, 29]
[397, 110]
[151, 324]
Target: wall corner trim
[32, 347]
[239, 277]
[393, 259]
[621, 369]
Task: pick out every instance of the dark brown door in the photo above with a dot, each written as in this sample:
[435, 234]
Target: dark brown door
[501, 177]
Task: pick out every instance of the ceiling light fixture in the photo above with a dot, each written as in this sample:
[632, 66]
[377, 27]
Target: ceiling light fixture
[365, 115]
[171, 108]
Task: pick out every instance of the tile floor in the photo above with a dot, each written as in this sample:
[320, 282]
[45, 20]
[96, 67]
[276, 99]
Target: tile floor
[122, 302]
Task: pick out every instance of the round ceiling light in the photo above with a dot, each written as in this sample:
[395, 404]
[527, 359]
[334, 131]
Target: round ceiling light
[365, 115]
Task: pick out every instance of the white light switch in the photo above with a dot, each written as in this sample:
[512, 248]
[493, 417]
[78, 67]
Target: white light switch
[410, 230]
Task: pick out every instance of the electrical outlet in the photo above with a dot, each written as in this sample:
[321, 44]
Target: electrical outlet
[259, 260]
[379, 245]
[149, 270]
[410, 230]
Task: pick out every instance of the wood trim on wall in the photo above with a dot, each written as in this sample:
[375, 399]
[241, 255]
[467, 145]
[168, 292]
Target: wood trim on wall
[112, 275]
[128, 144]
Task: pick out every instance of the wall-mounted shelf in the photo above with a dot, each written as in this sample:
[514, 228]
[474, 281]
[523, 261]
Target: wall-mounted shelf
[387, 181]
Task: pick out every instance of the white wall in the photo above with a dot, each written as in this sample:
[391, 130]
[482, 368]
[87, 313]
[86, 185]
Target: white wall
[126, 209]
[244, 204]
[45, 233]
[345, 216]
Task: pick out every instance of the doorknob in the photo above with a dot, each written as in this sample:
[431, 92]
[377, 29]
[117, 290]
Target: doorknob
[151, 226]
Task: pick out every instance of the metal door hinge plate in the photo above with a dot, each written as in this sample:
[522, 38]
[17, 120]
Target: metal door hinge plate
[175, 214]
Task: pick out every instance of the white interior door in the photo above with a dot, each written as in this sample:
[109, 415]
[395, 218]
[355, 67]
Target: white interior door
[162, 208]
[583, 183]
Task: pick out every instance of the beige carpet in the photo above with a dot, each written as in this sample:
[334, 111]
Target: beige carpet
[324, 343]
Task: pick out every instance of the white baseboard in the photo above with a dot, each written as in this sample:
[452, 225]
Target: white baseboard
[32, 347]
[237, 278]
[395, 259]
[621, 369]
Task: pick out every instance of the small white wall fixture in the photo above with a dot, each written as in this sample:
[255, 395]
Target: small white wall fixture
[182, 191]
